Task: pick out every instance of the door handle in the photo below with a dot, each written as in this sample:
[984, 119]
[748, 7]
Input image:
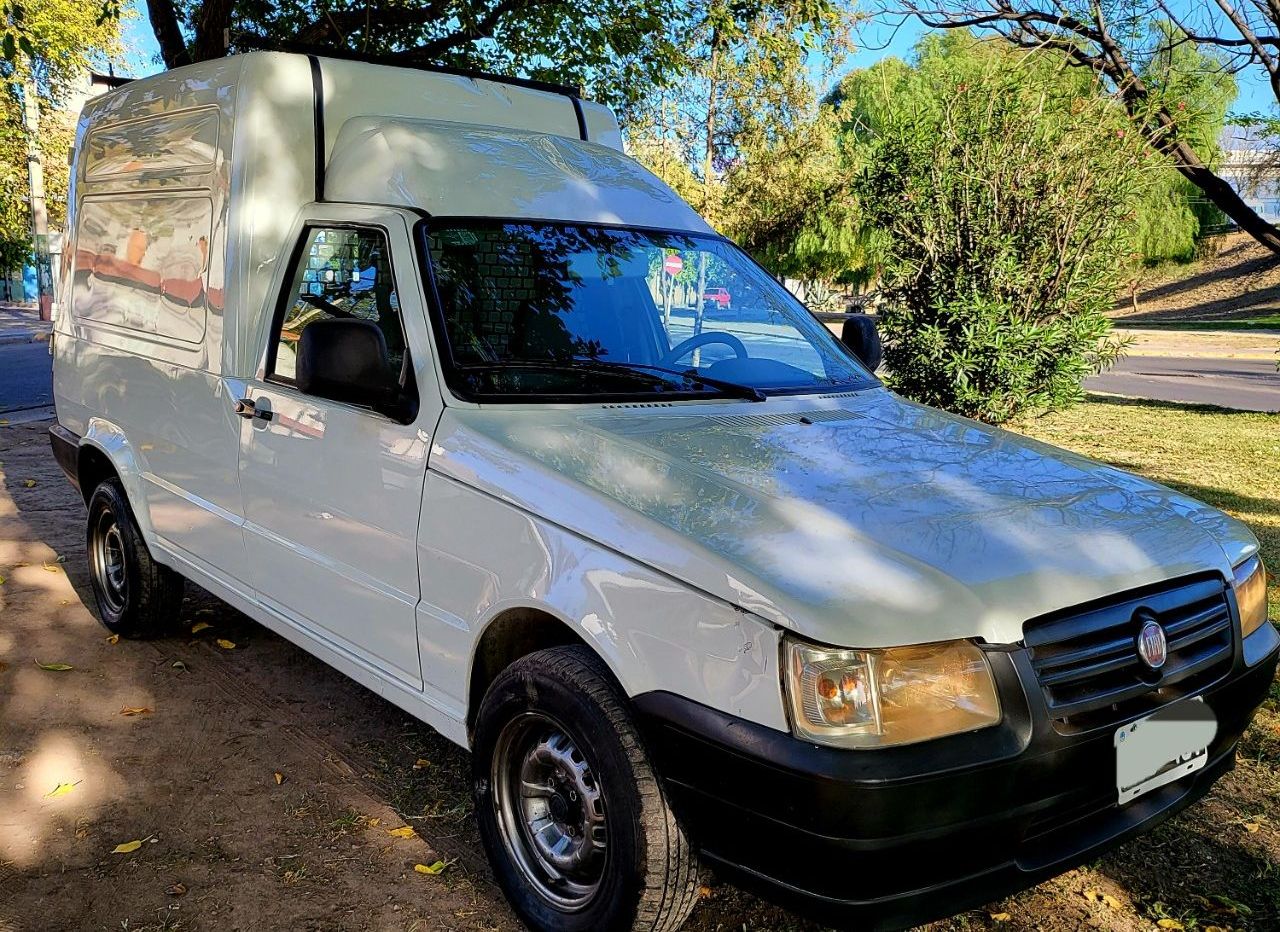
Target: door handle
[246, 409]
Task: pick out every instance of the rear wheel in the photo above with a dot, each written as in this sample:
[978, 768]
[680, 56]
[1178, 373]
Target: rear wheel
[573, 818]
[136, 596]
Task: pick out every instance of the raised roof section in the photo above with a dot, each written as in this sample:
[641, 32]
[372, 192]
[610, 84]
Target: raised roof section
[454, 169]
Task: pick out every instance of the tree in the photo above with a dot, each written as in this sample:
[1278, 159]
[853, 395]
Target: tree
[1006, 213]
[617, 49]
[1169, 212]
[1113, 39]
[743, 136]
[68, 36]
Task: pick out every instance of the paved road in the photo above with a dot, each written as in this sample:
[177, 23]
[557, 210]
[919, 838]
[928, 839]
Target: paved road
[1247, 384]
[26, 379]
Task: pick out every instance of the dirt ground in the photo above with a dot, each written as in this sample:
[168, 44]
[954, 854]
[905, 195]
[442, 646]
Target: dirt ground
[1240, 280]
[264, 786]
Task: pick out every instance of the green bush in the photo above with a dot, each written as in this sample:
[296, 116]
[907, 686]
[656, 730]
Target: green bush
[1007, 231]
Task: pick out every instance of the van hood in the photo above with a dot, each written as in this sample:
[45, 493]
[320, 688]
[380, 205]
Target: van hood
[861, 520]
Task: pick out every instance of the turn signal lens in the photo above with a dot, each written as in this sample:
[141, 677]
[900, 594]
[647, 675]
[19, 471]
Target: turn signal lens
[1251, 595]
[878, 698]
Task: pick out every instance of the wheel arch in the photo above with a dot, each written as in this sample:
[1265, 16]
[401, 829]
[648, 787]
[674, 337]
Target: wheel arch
[515, 632]
[104, 453]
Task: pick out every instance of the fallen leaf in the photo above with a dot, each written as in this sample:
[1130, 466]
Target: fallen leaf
[177, 889]
[225, 644]
[127, 847]
[1170, 924]
[3, 666]
[704, 892]
[404, 832]
[62, 789]
[179, 665]
[1214, 929]
[135, 710]
[200, 626]
[113, 639]
[51, 567]
[1111, 901]
[279, 777]
[1251, 827]
[436, 868]
[30, 483]
[1, 580]
[421, 763]
[374, 823]
[1000, 917]
[54, 667]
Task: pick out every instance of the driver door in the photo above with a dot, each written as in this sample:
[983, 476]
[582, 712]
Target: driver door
[332, 491]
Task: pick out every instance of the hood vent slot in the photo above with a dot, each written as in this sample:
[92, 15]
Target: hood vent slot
[794, 418]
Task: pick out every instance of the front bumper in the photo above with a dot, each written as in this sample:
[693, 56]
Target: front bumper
[898, 836]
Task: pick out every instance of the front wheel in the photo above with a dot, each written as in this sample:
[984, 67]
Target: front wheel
[573, 818]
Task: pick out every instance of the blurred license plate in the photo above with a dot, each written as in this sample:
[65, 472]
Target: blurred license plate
[1163, 747]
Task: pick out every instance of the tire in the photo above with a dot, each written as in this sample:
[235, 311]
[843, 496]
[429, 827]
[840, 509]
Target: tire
[136, 596]
[546, 713]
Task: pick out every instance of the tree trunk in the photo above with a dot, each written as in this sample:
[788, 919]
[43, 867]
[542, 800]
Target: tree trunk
[1227, 200]
[164, 23]
[708, 159]
[212, 23]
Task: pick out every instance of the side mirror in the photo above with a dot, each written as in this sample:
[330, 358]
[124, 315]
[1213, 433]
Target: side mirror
[862, 338]
[346, 360]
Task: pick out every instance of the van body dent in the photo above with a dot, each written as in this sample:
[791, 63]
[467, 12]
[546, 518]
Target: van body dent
[398, 362]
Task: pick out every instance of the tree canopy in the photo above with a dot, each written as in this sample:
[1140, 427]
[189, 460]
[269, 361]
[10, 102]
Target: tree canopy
[1114, 39]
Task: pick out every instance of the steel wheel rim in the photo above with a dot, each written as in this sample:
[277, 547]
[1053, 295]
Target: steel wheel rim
[109, 566]
[550, 810]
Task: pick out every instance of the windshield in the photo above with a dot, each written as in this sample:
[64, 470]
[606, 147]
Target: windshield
[549, 311]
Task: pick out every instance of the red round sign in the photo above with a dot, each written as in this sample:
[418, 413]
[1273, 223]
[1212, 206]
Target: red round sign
[673, 264]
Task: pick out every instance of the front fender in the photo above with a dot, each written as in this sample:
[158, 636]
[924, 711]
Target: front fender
[481, 558]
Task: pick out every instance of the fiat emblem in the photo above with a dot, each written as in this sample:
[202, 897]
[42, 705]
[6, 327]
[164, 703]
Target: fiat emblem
[1153, 646]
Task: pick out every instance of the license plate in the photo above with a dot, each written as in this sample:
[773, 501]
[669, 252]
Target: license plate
[1163, 747]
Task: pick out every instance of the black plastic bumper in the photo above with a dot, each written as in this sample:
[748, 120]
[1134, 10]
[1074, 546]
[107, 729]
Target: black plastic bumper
[66, 450]
[894, 837]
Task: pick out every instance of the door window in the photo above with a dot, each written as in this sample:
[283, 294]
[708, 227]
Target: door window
[340, 272]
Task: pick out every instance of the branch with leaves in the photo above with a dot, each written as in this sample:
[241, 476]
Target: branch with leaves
[1113, 40]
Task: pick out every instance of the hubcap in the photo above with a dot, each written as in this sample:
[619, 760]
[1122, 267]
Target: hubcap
[550, 810]
[109, 562]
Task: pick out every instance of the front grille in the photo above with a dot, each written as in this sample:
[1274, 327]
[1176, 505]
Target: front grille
[1087, 660]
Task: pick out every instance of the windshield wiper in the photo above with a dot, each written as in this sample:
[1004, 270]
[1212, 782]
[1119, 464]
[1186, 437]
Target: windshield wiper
[734, 389]
[731, 389]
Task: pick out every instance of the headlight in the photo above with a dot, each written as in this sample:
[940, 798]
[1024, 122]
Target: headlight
[877, 698]
[1251, 595]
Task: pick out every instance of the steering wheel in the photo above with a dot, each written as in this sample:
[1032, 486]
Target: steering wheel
[702, 339]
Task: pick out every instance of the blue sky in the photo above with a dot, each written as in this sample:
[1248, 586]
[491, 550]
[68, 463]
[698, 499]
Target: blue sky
[883, 35]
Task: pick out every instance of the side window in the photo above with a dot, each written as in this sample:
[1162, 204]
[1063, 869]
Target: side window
[341, 272]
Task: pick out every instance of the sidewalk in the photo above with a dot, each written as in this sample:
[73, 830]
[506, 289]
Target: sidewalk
[21, 324]
[1199, 344]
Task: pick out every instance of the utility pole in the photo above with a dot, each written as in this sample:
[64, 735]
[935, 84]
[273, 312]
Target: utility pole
[39, 214]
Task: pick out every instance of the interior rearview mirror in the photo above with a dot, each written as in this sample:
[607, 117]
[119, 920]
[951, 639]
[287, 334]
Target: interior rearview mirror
[346, 360]
[862, 337]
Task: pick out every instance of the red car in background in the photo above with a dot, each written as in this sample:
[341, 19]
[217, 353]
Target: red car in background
[716, 298]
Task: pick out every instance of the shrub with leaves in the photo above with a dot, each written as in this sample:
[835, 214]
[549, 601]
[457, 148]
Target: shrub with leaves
[1007, 226]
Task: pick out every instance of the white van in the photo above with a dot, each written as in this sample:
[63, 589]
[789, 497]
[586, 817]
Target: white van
[413, 368]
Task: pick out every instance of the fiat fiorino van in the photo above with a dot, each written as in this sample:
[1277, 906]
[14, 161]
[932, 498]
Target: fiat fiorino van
[398, 363]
